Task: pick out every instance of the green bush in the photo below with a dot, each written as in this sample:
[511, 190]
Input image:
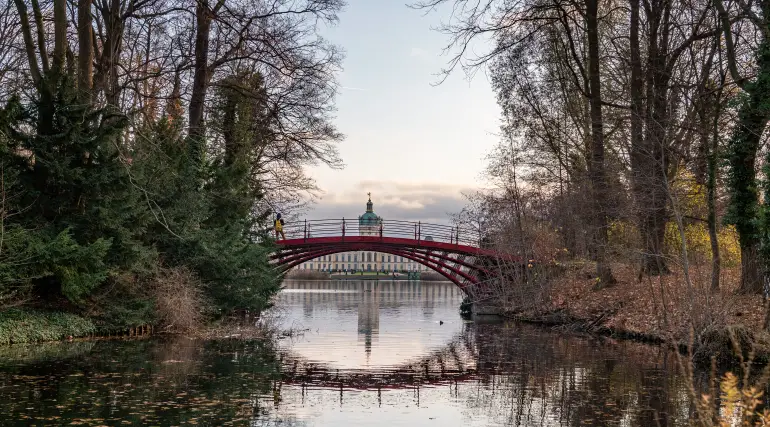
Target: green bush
[27, 326]
[87, 220]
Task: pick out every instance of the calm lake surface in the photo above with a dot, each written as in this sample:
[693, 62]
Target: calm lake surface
[370, 354]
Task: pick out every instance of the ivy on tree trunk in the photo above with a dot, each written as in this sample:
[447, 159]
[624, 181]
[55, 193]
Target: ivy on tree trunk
[743, 210]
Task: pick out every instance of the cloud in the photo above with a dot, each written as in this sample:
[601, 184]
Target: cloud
[433, 203]
[417, 52]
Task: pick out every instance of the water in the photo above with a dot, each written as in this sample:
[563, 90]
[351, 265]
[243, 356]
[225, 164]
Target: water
[369, 354]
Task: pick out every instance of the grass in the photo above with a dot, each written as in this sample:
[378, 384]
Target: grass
[30, 326]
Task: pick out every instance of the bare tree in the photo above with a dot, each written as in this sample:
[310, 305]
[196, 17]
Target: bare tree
[518, 27]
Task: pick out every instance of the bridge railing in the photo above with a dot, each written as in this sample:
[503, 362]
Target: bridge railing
[415, 230]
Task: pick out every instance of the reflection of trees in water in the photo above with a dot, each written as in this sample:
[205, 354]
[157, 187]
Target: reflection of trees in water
[550, 380]
[148, 382]
[508, 375]
[525, 376]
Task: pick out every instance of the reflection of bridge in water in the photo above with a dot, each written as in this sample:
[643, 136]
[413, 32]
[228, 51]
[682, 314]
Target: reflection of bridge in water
[393, 293]
[504, 374]
[456, 362]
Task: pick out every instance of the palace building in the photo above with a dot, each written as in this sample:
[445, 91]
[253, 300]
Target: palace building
[368, 225]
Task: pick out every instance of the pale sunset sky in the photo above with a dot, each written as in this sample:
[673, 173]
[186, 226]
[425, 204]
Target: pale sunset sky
[414, 145]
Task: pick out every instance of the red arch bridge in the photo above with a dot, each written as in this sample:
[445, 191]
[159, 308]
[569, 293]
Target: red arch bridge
[457, 253]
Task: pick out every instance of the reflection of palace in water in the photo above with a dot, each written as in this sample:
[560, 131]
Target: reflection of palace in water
[367, 298]
[369, 315]
[346, 294]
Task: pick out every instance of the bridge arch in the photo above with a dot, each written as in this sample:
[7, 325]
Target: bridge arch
[453, 252]
[441, 265]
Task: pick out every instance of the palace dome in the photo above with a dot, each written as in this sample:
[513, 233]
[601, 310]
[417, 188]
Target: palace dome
[369, 217]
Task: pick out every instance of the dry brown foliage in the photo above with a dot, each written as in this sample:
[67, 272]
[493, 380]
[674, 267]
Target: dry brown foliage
[663, 307]
[179, 300]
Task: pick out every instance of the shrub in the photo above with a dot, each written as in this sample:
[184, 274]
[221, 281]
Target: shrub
[699, 245]
[624, 238]
[179, 300]
[25, 326]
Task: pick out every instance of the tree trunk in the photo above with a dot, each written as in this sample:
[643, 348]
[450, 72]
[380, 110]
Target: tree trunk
[174, 110]
[197, 130]
[85, 51]
[29, 44]
[716, 262]
[743, 210]
[653, 232]
[649, 162]
[597, 174]
[60, 36]
[41, 38]
[711, 152]
[642, 162]
[105, 79]
[751, 277]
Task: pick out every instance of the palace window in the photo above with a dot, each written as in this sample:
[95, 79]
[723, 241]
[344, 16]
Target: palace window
[369, 256]
[368, 267]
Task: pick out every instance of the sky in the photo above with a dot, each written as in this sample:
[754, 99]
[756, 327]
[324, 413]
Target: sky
[415, 146]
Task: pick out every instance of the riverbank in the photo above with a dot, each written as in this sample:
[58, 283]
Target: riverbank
[654, 309]
[27, 326]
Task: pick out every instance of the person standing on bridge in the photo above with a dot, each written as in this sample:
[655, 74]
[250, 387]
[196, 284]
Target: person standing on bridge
[278, 224]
